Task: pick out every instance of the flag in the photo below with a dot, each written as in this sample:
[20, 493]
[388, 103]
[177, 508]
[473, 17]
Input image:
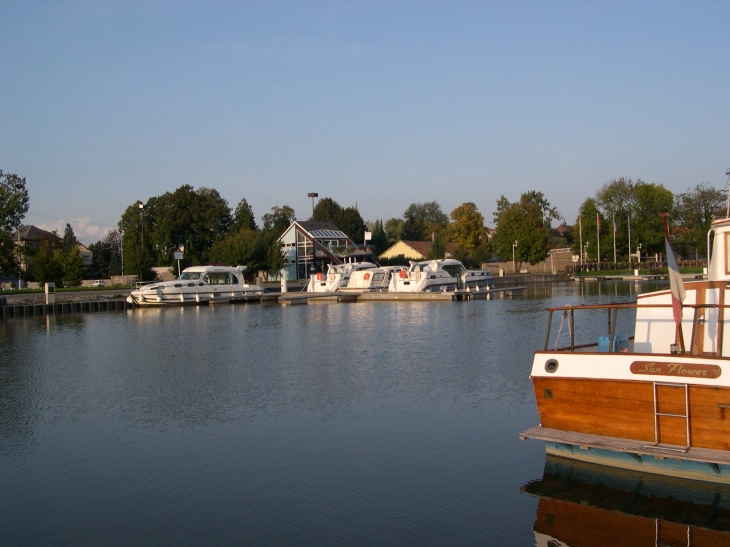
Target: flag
[614, 225]
[675, 279]
[598, 220]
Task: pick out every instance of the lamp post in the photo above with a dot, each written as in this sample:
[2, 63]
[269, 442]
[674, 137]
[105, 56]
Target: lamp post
[638, 254]
[312, 195]
[514, 264]
[141, 221]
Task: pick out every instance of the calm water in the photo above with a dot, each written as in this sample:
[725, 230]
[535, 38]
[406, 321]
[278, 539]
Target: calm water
[350, 424]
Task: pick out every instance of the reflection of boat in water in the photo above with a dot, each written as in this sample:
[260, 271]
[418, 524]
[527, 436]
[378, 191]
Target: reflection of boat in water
[338, 276]
[439, 276]
[196, 284]
[590, 505]
[643, 402]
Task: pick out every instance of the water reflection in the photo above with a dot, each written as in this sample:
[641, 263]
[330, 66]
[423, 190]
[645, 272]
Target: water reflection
[588, 505]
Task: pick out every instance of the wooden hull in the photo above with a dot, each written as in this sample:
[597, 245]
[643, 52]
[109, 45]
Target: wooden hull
[625, 409]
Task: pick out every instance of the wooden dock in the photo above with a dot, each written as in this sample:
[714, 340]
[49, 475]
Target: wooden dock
[284, 299]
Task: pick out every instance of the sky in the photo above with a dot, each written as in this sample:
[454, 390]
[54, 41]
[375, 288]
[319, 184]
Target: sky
[375, 104]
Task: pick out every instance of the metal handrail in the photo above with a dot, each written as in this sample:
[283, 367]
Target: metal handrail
[612, 317]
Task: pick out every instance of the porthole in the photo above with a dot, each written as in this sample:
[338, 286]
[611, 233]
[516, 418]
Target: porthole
[551, 365]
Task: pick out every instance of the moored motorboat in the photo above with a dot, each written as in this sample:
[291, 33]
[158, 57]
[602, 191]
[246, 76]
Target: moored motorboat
[338, 276]
[439, 276]
[644, 402]
[195, 285]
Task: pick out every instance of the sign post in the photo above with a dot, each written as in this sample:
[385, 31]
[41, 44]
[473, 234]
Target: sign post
[178, 257]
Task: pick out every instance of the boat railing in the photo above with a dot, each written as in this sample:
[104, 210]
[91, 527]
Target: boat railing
[568, 312]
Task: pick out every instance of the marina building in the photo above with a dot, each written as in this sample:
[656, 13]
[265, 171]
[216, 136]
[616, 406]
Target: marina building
[311, 246]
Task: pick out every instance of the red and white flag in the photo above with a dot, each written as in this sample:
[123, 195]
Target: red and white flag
[675, 279]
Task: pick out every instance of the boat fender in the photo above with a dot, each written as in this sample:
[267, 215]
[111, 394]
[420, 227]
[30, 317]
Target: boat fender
[319, 277]
[402, 274]
[366, 276]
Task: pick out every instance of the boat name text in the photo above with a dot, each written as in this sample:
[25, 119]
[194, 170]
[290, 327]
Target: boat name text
[676, 369]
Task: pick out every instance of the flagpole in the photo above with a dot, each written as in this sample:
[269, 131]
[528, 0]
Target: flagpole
[580, 224]
[671, 261]
[598, 253]
[614, 239]
[628, 218]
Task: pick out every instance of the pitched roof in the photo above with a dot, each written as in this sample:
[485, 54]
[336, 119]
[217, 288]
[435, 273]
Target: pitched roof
[31, 233]
[423, 247]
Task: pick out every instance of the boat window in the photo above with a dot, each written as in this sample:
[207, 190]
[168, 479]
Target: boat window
[220, 278]
[189, 275]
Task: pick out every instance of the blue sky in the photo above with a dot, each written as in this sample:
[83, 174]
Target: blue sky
[378, 104]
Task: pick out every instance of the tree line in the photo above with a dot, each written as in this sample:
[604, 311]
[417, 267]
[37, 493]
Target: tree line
[200, 223]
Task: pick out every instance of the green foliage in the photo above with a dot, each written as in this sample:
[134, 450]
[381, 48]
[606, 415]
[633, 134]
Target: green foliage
[243, 217]
[47, 264]
[399, 260]
[245, 247]
[437, 250]
[528, 223]
[394, 230]
[69, 239]
[14, 201]
[346, 219]
[278, 219]
[326, 210]
[694, 211]
[467, 228]
[379, 238]
[106, 256]
[650, 201]
[193, 218]
[588, 215]
[422, 220]
[73, 268]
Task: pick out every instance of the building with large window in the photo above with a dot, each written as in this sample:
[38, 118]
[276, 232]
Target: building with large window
[311, 246]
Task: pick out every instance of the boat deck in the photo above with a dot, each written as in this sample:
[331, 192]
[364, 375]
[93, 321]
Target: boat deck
[586, 441]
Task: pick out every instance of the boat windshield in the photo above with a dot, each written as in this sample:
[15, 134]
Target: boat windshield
[220, 278]
[455, 270]
[189, 275]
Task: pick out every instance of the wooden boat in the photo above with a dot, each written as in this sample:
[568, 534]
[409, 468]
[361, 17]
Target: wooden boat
[583, 505]
[644, 402]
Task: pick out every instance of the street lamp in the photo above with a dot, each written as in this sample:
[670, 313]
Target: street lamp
[141, 220]
[312, 195]
[514, 264]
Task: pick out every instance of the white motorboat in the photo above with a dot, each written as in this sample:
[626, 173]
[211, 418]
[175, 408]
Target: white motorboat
[370, 280]
[196, 284]
[439, 276]
[338, 276]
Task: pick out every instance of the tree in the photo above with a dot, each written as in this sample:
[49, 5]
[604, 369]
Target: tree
[588, 216]
[47, 265]
[327, 210]
[647, 228]
[615, 200]
[437, 250]
[243, 217]
[189, 217]
[244, 247]
[467, 228]
[526, 222]
[350, 222]
[278, 219]
[73, 268]
[69, 239]
[394, 230]
[421, 220]
[106, 256]
[379, 238]
[14, 203]
[694, 211]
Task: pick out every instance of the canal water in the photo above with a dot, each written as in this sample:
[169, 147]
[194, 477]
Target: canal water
[344, 424]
